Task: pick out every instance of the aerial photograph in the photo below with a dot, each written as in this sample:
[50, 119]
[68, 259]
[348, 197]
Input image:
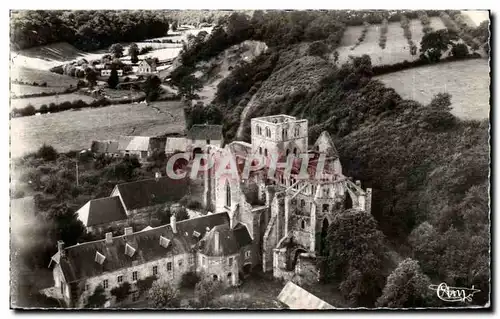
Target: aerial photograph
[250, 159]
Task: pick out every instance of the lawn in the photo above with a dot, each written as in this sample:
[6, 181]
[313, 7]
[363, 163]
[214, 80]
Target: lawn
[74, 130]
[37, 102]
[467, 81]
[397, 48]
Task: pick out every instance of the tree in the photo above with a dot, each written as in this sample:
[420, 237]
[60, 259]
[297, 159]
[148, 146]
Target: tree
[163, 295]
[318, 48]
[460, 50]
[206, 290]
[152, 87]
[407, 287]
[47, 153]
[67, 226]
[121, 292]
[91, 76]
[113, 79]
[117, 50]
[174, 25]
[356, 255]
[189, 85]
[189, 279]
[133, 51]
[336, 56]
[434, 44]
[97, 299]
[28, 110]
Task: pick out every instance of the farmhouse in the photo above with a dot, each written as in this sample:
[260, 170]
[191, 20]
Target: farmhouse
[109, 148]
[277, 221]
[140, 146]
[107, 72]
[98, 214]
[201, 135]
[176, 144]
[146, 66]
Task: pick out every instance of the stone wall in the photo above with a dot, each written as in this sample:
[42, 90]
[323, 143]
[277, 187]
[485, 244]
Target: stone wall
[209, 267]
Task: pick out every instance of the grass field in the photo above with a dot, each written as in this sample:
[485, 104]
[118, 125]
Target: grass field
[397, 48]
[74, 130]
[35, 75]
[467, 81]
[21, 89]
[37, 102]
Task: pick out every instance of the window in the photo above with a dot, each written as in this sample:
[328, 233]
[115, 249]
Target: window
[260, 150]
[303, 224]
[155, 270]
[259, 130]
[215, 277]
[230, 261]
[191, 260]
[180, 262]
[297, 131]
[169, 266]
[338, 205]
[247, 254]
[294, 151]
[228, 195]
[268, 132]
[135, 296]
[105, 284]
[208, 142]
[265, 152]
[302, 203]
[120, 279]
[325, 207]
[134, 276]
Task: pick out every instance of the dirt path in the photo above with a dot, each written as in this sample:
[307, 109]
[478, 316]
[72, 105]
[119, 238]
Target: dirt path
[243, 118]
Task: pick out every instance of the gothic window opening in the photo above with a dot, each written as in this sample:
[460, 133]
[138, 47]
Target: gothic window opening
[295, 151]
[303, 224]
[325, 208]
[228, 195]
[268, 132]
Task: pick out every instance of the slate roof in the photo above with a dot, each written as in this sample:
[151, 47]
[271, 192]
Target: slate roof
[133, 143]
[102, 147]
[230, 241]
[79, 261]
[101, 211]
[296, 297]
[149, 192]
[205, 132]
[328, 148]
[176, 144]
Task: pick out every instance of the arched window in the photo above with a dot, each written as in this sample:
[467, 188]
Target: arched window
[297, 131]
[287, 152]
[284, 134]
[215, 277]
[260, 150]
[268, 132]
[265, 152]
[303, 224]
[302, 203]
[294, 151]
[228, 195]
[325, 208]
[259, 130]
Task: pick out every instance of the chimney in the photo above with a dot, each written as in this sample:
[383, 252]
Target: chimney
[173, 223]
[129, 230]
[216, 241]
[60, 248]
[157, 176]
[109, 238]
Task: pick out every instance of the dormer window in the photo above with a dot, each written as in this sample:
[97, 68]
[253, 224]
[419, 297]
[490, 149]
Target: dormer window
[164, 242]
[196, 234]
[99, 258]
[129, 250]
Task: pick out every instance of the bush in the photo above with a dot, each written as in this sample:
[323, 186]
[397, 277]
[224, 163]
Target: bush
[145, 50]
[47, 153]
[121, 292]
[28, 110]
[189, 279]
[207, 290]
[163, 295]
[44, 108]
